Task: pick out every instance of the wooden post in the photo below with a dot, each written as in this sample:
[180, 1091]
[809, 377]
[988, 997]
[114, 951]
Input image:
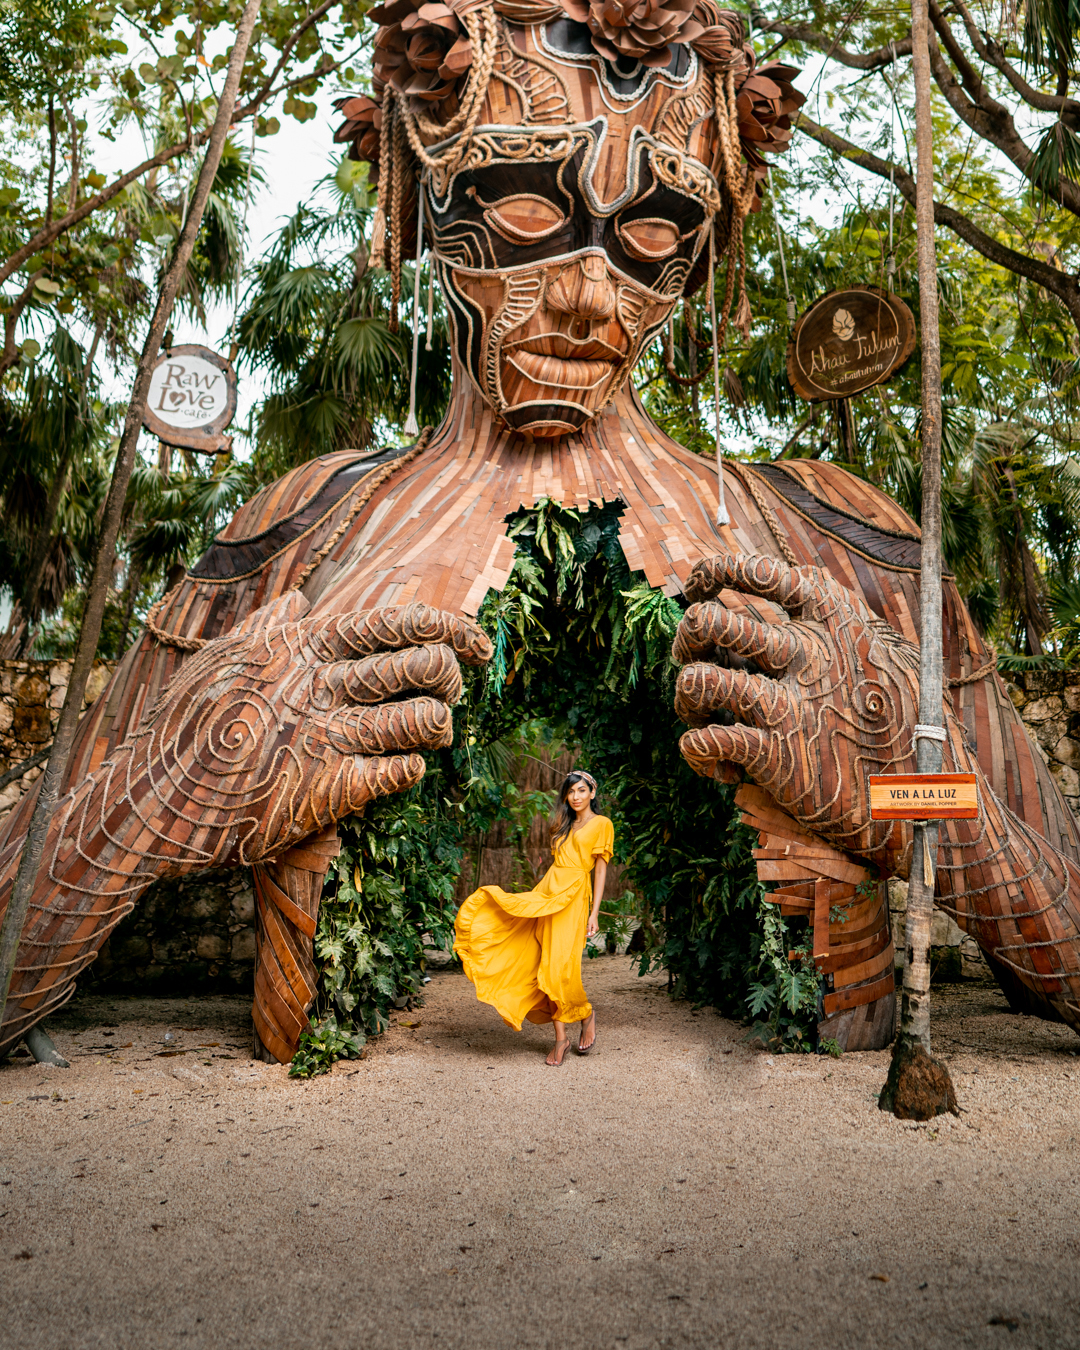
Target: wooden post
[56, 770]
[919, 1087]
[848, 443]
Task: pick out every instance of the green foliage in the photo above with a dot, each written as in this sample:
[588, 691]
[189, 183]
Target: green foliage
[321, 1044]
[584, 644]
[315, 323]
[582, 659]
[390, 888]
[787, 989]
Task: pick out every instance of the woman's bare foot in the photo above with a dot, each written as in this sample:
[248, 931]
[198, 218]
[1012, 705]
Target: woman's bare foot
[558, 1053]
[587, 1034]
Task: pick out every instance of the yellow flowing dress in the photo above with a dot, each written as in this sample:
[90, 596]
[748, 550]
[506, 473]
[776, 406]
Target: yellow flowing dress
[523, 952]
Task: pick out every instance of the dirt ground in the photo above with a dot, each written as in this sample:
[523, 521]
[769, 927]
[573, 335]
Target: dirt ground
[675, 1189]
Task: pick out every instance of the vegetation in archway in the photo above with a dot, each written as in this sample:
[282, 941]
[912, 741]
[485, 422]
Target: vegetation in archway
[582, 647]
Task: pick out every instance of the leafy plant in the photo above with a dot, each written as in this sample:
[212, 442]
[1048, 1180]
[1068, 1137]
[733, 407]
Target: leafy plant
[389, 892]
[582, 657]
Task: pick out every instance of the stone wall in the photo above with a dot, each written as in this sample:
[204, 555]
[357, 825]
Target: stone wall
[1049, 703]
[195, 935]
[31, 696]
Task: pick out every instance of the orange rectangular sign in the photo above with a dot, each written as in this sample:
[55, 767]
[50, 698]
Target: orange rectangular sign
[924, 796]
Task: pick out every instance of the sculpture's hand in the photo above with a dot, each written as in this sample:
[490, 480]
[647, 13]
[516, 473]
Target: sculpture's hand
[276, 729]
[838, 699]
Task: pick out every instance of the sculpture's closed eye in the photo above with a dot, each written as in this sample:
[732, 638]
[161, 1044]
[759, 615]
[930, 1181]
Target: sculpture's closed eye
[649, 240]
[524, 218]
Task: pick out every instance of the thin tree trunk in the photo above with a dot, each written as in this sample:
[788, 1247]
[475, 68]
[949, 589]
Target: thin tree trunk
[915, 1015]
[56, 771]
[846, 423]
[917, 1085]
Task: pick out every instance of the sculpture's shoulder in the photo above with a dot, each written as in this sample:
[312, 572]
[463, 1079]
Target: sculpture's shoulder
[286, 495]
[288, 518]
[848, 509]
[841, 489]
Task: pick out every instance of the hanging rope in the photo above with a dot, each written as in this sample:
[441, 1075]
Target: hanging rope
[890, 261]
[411, 427]
[783, 271]
[722, 517]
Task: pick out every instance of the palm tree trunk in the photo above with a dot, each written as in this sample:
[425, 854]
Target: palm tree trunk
[56, 770]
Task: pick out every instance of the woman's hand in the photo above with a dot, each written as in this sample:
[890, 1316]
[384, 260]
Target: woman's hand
[837, 701]
[593, 926]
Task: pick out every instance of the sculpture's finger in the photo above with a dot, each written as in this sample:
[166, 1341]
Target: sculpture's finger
[770, 578]
[365, 777]
[705, 626]
[393, 627]
[702, 689]
[431, 669]
[710, 750]
[415, 724]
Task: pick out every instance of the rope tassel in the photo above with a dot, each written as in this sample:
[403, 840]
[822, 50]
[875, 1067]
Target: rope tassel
[722, 517]
[411, 425]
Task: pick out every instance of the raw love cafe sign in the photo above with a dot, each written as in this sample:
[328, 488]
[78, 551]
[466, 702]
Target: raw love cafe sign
[192, 399]
[849, 341]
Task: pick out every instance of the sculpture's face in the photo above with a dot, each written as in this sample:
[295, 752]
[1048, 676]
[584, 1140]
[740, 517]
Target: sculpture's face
[564, 243]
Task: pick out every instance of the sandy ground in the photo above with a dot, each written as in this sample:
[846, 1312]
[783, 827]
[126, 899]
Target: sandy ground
[676, 1189]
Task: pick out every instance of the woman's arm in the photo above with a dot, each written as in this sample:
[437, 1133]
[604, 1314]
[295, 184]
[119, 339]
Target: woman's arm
[599, 878]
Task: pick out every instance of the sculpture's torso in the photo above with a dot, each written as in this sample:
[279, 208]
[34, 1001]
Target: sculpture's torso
[435, 530]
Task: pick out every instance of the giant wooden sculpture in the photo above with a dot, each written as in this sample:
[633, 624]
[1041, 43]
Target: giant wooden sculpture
[576, 168]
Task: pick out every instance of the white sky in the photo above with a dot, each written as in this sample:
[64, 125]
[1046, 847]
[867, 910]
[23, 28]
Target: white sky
[292, 162]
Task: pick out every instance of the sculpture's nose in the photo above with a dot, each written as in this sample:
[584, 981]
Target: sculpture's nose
[583, 288]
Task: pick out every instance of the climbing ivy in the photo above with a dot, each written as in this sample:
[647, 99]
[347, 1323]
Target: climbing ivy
[581, 652]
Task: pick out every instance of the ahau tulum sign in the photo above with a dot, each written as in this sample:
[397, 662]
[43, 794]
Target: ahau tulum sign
[849, 341]
[192, 399]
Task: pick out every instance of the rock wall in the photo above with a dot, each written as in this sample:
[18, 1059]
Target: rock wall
[1049, 703]
[31, 696]
[192, 935]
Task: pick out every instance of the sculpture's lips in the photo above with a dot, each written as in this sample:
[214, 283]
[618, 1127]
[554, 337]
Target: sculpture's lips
[558, 374]
[568, 348]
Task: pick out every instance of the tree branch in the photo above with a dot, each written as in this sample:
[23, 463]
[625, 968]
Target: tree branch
[810, 37]
[989, 51]
[988, 118]
[10, 354]
[52, 230]
[1059, 284]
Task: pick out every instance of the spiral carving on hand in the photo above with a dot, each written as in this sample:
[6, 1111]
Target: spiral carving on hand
[266, 736]
[836, 704]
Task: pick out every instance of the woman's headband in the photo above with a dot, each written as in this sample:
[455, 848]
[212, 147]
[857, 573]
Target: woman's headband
[588, 778]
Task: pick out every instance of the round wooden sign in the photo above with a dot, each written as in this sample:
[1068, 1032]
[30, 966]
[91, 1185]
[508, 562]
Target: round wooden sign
[849, 341]
[192, 399]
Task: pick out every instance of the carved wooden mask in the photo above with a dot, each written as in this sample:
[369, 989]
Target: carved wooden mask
[568, 231]
[574, 157]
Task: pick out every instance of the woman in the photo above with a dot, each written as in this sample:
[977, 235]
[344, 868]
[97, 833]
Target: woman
[523, 952]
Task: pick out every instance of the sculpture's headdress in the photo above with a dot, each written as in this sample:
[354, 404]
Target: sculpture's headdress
[434, 63]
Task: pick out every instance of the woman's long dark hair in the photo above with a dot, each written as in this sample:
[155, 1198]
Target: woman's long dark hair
[562, 822]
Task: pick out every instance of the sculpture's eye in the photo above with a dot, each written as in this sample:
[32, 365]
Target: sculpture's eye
[648, 240]
[524, 218]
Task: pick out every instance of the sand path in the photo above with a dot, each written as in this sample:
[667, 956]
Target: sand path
[676, 1189]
